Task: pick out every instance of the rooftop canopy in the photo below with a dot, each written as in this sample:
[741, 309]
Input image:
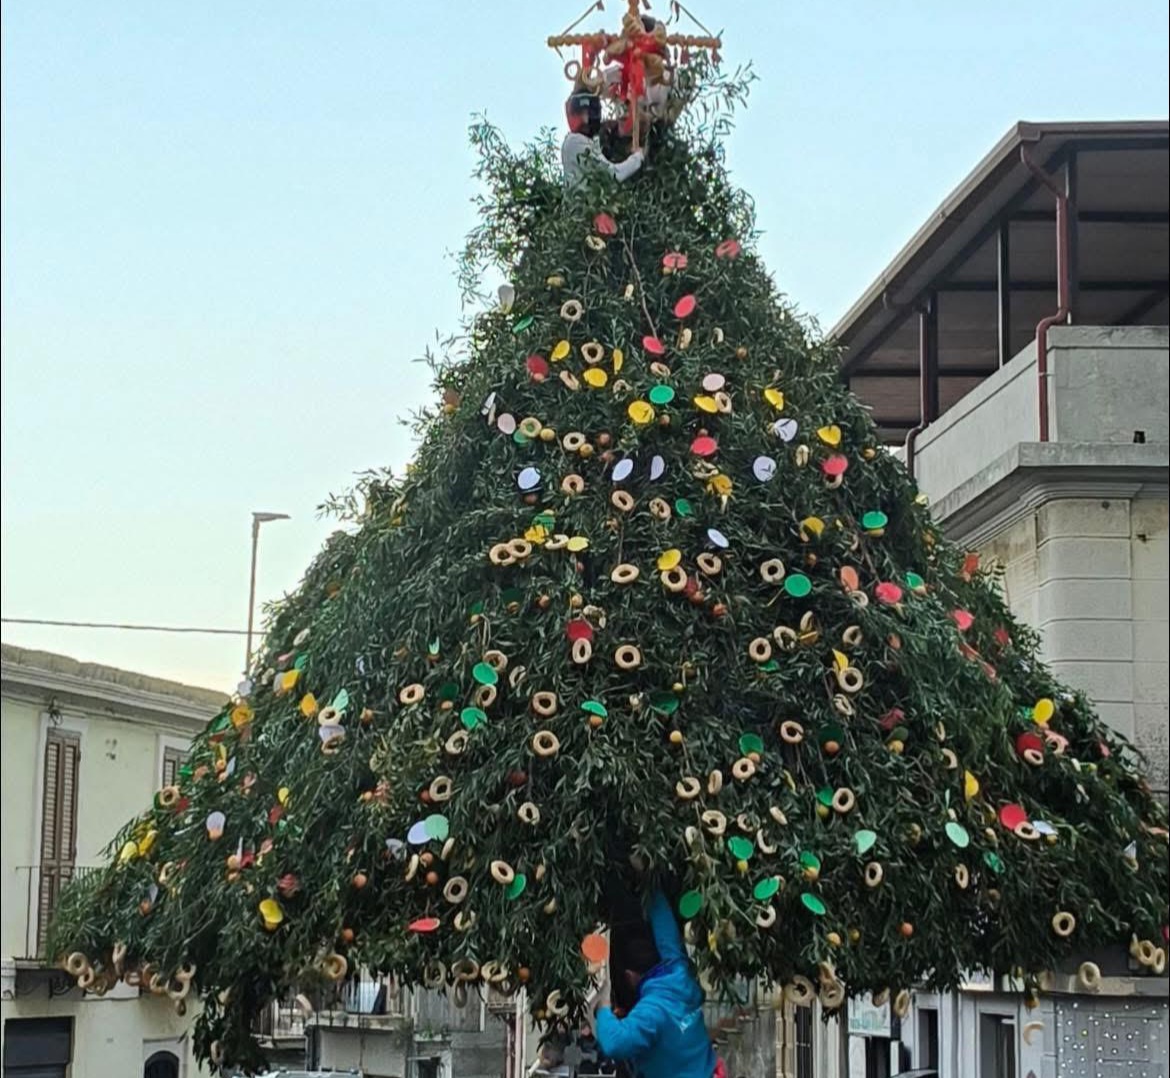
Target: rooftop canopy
[966, 293]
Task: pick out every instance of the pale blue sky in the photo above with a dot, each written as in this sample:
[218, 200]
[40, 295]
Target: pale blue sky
[226, 226]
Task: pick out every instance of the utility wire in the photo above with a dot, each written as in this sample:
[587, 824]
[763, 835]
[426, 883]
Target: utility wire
[131, 628]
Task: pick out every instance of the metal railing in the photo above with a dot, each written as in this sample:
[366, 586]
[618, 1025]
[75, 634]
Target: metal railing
[41, 887]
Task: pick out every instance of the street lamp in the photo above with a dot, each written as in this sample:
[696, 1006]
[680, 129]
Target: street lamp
[257, 520]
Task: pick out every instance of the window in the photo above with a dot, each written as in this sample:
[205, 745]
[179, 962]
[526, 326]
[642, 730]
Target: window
[997, 1046]
[37, 1047]
[58, 823]
[927, 1055]
[161, 1065]
[172, 760]
[803, 1036]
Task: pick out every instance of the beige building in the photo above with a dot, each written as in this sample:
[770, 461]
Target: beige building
[85, 748]
[1017, 353]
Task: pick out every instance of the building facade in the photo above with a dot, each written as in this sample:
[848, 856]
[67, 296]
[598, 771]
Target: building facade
[1016, 353]
[85, 748]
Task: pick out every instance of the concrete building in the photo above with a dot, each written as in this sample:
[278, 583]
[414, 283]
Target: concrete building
[85, 748]
[1017, 352]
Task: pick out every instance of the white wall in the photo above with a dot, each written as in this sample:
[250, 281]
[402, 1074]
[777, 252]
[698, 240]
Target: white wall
[1091, 576]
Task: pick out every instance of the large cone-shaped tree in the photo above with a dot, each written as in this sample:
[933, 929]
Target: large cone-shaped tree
[652, 603]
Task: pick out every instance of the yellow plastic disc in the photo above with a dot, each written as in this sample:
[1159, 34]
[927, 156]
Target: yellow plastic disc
[560, 350]
[618, 360]
[641, 412]
[830, 435]
[1043, 711]
[578, 543]
[309, 705]
[720, 484]
[595, 377]
[970, 785]
[840, 661]
[775, 398]
[536, 534]
[669, 559]
[706, 404]
[812, 525]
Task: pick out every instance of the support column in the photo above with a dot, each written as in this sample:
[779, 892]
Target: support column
[1004, 290]
[1074, 259]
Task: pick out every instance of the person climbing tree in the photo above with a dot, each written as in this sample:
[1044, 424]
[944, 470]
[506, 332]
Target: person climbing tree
[650, 598]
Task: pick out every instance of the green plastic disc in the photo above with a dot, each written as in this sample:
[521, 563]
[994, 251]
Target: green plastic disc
[797, 585]
[476, 608]
[864, 841]
[813, 904]
[471, 717]
[301, 661]
[519, 438]
[914, 581]
[484, 674]
[683, 507]
[521, 324]
[341, 700]
[825, 796]
[517, 886]
[874, 519]
[810, 860]
[595, 707]
[770, 667]
[766, 888]
[665, 703]
[993, 861]
[741, 848]
[957, 833]
[437, 827]
[749, 743]
[690, 904]
[661, 395]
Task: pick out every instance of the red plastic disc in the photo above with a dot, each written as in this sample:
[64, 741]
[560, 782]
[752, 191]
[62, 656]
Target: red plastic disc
[605, 224]
[888, 592]
[425, 924]
[684, 306]
[963, 619]
[579, 629]
[1011, 816]
[835, 465]
[704, 446]
[653, 345]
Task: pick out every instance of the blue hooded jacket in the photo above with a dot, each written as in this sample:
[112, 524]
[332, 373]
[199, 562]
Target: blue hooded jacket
[664, 1035]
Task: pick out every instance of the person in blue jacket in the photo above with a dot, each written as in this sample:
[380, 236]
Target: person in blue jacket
[663, 1034]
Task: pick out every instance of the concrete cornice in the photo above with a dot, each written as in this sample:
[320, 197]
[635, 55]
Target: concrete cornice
[39, 686]
[1032, 473]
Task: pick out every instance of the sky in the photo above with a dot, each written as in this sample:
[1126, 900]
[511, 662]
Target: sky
[227, 231]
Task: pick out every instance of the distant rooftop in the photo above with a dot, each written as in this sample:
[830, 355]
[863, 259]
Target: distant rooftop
[24, 665]
[984, 263]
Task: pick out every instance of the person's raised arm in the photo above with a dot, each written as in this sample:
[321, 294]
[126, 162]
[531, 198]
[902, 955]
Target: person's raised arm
[629, 1037]
[667, 938]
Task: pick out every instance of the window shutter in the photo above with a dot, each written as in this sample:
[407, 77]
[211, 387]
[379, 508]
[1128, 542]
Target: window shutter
[58, 822]
[173, 759]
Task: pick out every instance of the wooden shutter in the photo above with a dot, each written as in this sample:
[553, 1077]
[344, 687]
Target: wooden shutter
[173, 759]
[58, 822]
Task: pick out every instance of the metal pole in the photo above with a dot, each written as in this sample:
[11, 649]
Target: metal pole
[252, 591]
[1004, 287]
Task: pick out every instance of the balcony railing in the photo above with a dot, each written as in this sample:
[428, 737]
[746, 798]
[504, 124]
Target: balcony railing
[38, 888]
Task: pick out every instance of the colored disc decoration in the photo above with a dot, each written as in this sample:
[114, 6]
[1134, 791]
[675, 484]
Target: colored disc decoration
[888, 593]
[506, 424]
[528, 479]
[521, 324]
[424, 924]
[579, 629]
[728, 249]
[1043, 711]
[704, 446]
[713, 382]
[471, 717]
[683, 507]
[797, 585]
[958, 835]
[653, 345]
[706, 404]
[595, 707]
[874, 520]
[657, 468]
[835, 465]
[641, 412]
[623, 469]
[418, 835]
[766, 889]
[740, 848]
[484, 674]
[864, 841]
[668, 559]
[537, 367]
[690, 904]
[1011, 816]
[785, 429]
[517, 887]
[661, 394]
[685, 306]
[595, 949]
[717, 539]
[764, 469]
[749, 743]
[813, 904]
[604, 225]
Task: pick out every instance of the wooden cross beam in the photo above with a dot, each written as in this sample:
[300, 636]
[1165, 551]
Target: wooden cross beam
[600, 42]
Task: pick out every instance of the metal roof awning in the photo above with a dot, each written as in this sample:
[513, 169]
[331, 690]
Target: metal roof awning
[975, 280]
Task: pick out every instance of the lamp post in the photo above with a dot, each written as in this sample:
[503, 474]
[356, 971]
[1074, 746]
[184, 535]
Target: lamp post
[257, 520]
